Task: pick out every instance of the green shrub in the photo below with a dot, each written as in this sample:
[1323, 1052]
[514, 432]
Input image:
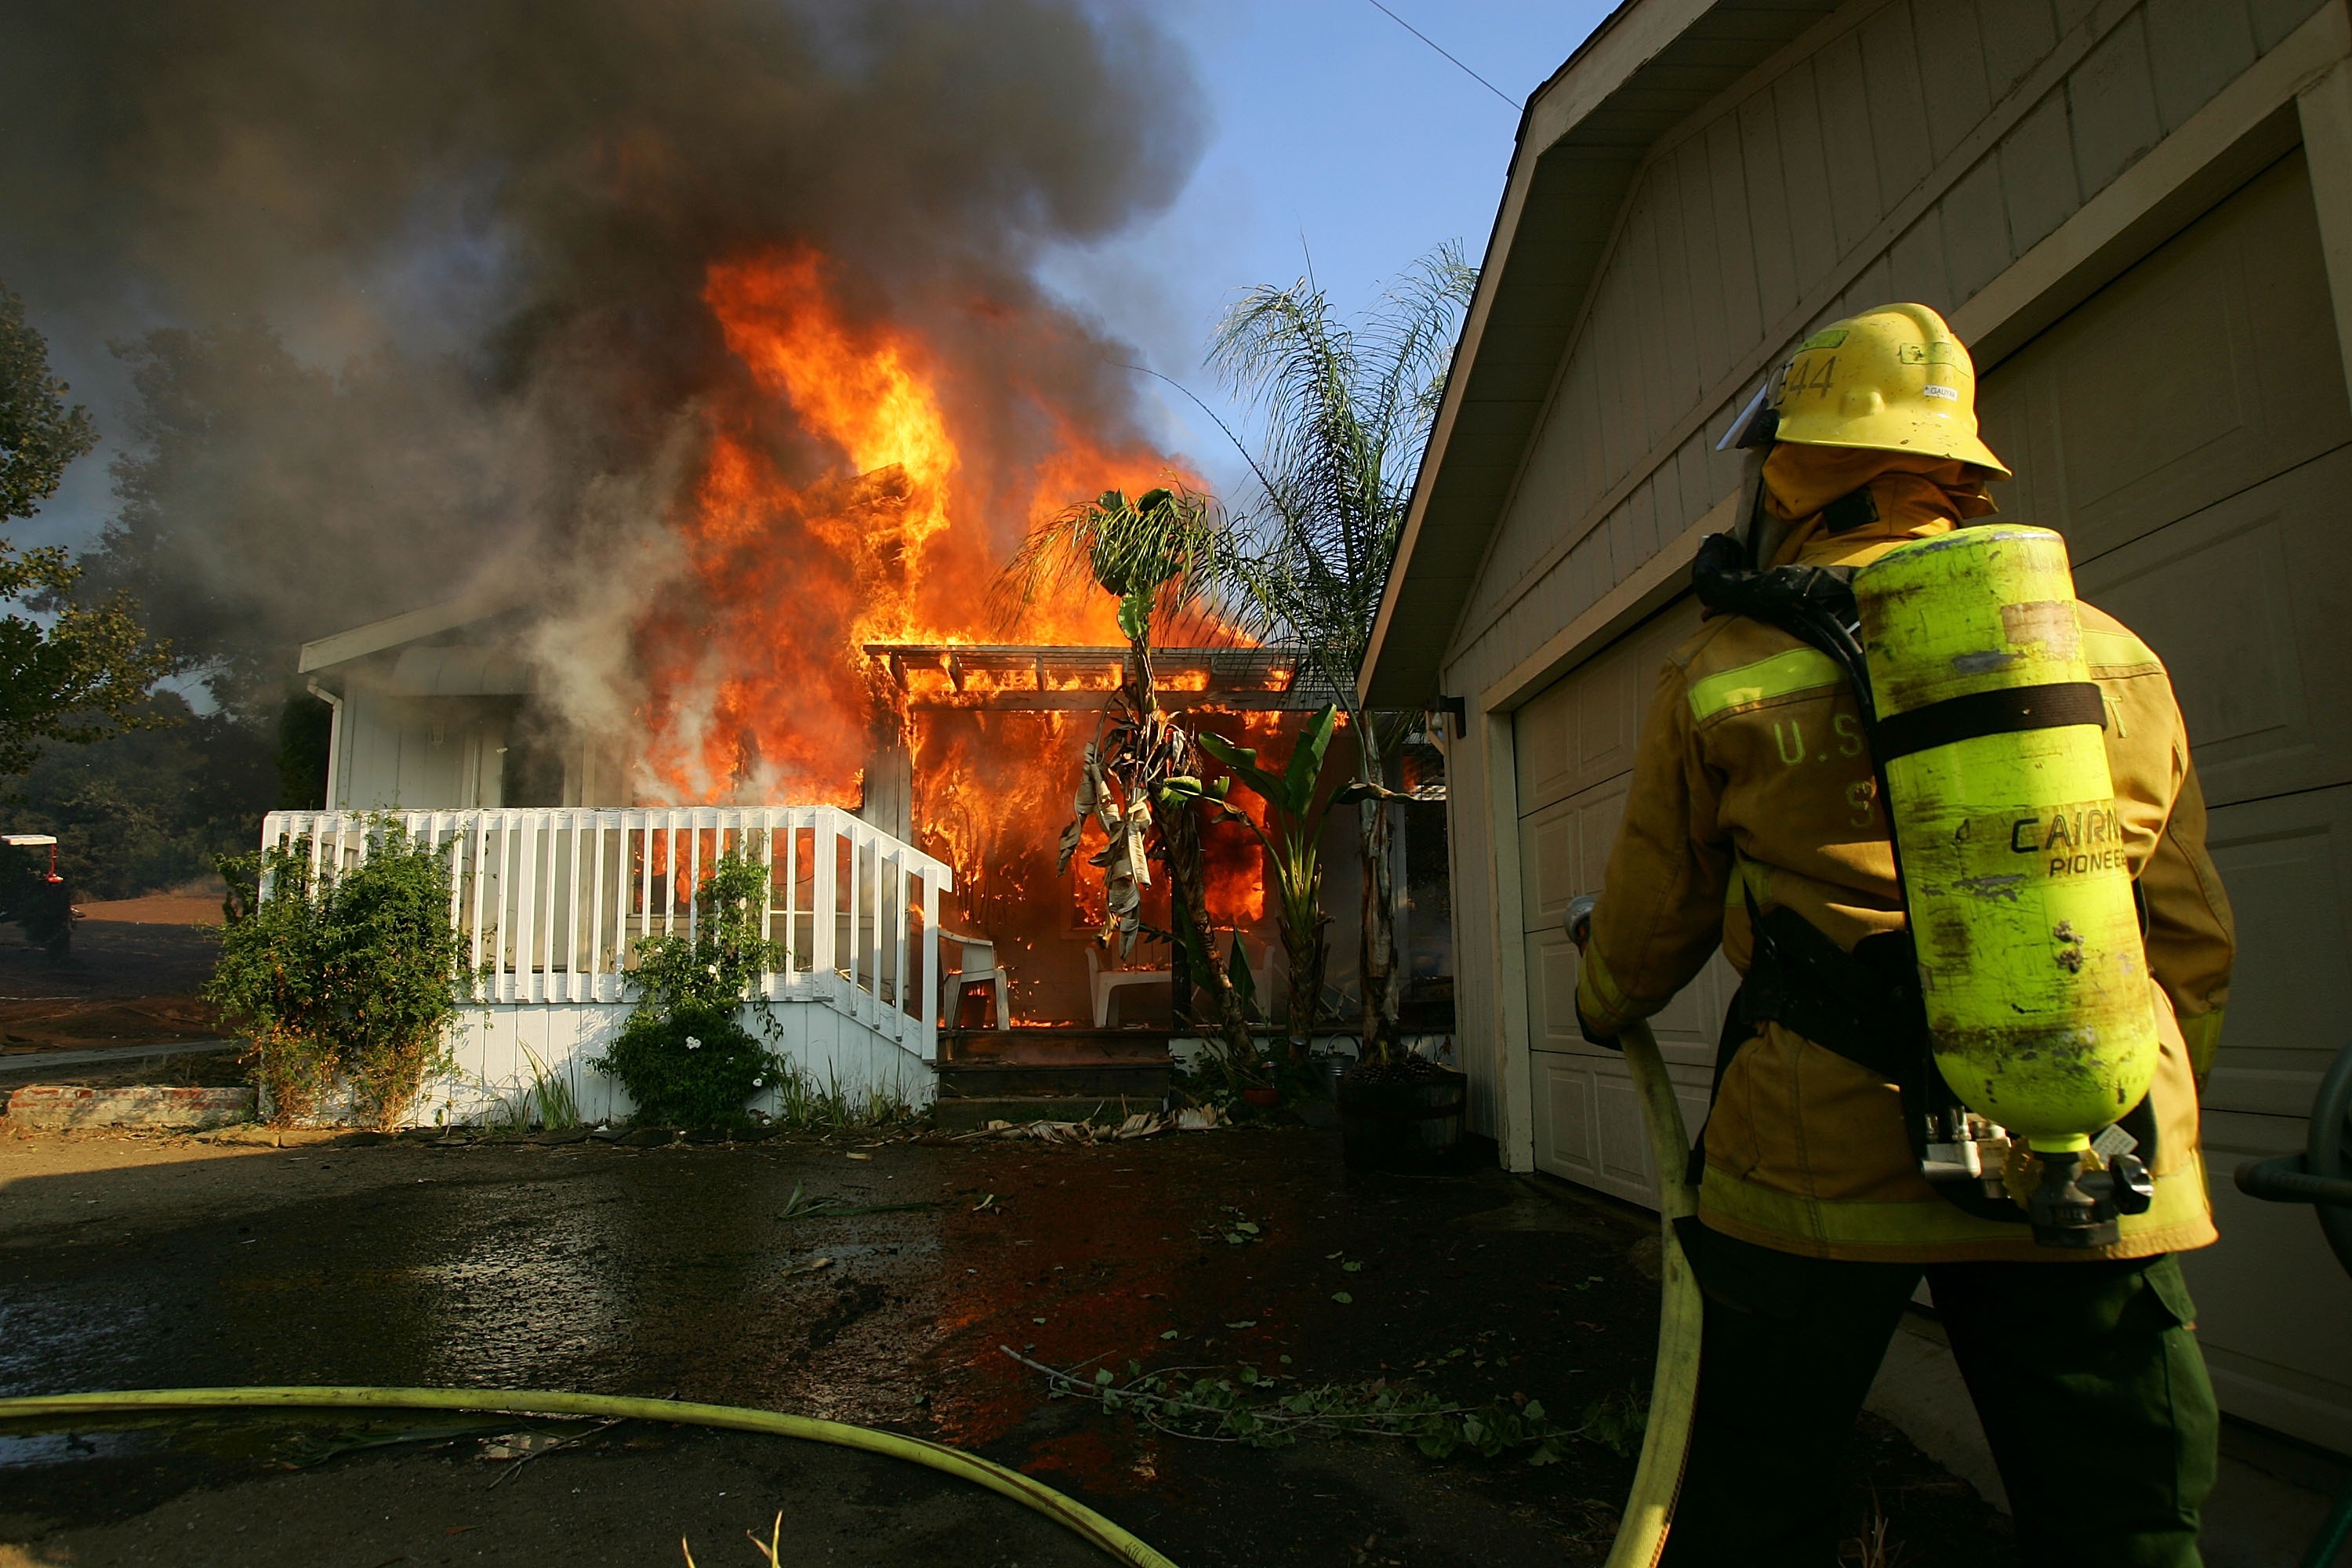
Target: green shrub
[684, 1056]
[546, 1101]
[350, 979]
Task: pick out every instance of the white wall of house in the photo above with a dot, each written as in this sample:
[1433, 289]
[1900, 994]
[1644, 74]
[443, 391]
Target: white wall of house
[2139, 214]
[396, 751]
[501, 1050]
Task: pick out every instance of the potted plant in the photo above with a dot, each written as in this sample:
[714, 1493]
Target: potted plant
[1396, 1110]
[1401, 1112]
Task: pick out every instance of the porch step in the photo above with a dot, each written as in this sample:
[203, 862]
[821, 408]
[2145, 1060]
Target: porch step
[966, 1115]
[1135, 1080]
[1042, 1046]
[1044, 1074]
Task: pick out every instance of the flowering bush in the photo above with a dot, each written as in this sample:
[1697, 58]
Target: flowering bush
[684, 1056]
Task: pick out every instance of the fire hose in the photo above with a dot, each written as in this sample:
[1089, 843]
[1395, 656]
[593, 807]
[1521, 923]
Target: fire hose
[1003, 1482]
[1649, 1510]
[1666, 1442]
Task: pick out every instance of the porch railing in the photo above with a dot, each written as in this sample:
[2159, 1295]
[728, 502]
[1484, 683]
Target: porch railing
[552, 902]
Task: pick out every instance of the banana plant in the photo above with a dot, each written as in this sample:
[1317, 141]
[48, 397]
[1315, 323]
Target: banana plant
[1156, 555]
[1296, 809]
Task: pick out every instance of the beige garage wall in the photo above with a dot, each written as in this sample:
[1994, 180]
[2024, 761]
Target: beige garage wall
[2187, 428]
[2098, 129]
[2189, 433]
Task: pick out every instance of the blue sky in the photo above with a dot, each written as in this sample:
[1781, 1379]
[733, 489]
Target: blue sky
[1334, 133]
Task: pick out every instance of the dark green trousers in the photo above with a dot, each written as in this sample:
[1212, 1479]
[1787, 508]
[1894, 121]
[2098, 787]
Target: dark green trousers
[2087, 1377]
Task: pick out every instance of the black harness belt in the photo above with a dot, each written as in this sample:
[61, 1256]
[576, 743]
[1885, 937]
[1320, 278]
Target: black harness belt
[1862, 1004]
[2001, 712]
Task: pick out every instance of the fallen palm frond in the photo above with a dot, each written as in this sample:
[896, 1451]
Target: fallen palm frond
[1875, 1546]
[799, 1205]
[1252, 1410]
[523, 1450]
[1141, 1124]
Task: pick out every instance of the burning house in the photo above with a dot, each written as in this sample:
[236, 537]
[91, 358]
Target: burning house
[587, 392]
[810, 668]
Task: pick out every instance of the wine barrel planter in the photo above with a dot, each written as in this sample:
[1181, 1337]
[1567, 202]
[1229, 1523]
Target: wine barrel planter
[1415, 1125]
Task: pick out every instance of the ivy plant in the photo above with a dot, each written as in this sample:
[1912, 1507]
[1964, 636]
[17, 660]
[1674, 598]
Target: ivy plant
[344, 979]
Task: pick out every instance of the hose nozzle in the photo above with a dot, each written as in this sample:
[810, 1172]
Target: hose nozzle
[1578, 919]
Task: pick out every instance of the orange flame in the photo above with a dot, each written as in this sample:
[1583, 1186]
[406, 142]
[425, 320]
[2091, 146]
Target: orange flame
[856, 487]
[758, 687]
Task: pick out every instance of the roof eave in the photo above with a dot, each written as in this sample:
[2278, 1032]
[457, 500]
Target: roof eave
[1624, 98]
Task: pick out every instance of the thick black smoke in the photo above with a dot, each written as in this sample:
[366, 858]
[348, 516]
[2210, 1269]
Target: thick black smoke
[428, 271]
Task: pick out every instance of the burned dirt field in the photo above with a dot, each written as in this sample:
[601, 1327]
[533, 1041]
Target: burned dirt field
[879, 1285]
[126, 983]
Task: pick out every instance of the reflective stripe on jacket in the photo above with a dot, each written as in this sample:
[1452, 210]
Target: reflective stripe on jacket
[1752, 777]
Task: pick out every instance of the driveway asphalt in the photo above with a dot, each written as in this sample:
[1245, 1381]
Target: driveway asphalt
[695, 1271]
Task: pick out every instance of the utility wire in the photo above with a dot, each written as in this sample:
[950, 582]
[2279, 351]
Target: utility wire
[1441, 49]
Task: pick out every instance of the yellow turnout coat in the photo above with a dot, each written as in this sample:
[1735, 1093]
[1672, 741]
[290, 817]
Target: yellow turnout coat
[1752, 779]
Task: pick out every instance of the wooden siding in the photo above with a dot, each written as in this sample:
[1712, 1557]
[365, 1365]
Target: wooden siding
[1904, 148]
[1913, 149]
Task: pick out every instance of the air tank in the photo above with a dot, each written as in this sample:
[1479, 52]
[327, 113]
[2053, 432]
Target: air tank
[1990, 736]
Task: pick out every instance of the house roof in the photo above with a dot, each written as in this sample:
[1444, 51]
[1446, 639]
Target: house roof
[406, 627]
[1585, 133]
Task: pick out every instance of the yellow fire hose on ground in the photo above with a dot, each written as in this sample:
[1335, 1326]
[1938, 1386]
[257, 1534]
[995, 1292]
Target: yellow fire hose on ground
[1067, 1511]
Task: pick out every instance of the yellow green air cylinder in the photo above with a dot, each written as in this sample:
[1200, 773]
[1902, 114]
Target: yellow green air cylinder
[2014, 874]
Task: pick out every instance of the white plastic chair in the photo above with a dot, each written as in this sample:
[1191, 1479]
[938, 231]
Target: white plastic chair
[977, 967]
[1103, 981]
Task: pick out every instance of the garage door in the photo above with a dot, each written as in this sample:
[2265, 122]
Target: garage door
[2188, 429]
[1574, 745]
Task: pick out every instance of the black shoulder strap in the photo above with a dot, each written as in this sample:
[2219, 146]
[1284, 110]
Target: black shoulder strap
[1815, 605]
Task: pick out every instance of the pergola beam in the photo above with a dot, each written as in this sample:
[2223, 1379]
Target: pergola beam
[1034, 678]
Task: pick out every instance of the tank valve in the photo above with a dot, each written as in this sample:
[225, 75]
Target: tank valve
[2076, 1208]
[2125, 1184]
[2065, 1213]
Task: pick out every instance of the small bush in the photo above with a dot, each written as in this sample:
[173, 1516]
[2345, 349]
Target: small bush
[350, 980]
[691, 1065]
[684, 1056]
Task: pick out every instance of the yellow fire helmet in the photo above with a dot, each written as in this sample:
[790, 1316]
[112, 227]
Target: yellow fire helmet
[1893, 379]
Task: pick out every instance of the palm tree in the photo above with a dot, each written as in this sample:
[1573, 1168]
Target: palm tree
[1347, 409]
[1159, 555]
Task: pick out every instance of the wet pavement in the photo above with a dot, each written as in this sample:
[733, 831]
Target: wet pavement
[689, 1272]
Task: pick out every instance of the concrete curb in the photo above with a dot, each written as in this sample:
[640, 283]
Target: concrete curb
[109, 1056]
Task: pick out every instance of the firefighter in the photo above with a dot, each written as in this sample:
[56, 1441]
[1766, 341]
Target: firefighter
[1757, 819]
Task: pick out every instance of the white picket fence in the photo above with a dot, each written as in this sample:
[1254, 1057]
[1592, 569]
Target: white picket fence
[551, 903]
